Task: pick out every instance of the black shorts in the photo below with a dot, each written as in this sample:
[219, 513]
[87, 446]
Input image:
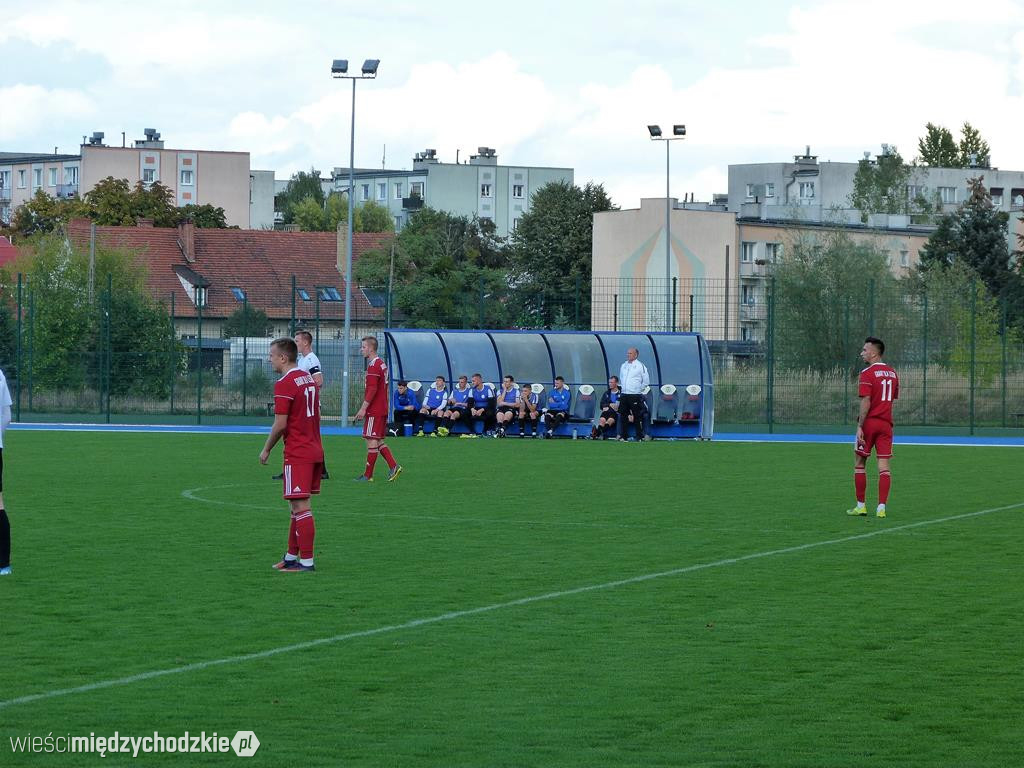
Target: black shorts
[508, 409]
[458, 412]
[610, 413]
[531, 415]
[486, 415]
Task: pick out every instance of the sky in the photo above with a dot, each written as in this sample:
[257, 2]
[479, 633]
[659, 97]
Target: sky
[565, 84]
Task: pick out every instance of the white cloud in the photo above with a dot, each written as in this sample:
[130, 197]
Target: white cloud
[28, 109]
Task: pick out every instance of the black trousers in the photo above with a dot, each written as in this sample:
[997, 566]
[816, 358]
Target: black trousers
[632, 405]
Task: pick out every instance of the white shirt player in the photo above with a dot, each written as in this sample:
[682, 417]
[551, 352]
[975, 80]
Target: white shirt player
[5, 407]
[311, 364]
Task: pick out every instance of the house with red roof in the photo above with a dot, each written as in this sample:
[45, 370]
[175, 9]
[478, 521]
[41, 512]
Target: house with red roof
[210, 273]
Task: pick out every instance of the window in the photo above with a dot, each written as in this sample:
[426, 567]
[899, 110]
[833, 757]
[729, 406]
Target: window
[22, 179]
[904, 258]
[398, 190]
[364, 192]
[1017, 198]
[71, 175]
[485, 190]
[53, 177]
[200, 298]
[745, 334]
[148, 175]
[238, 293]
[37, 177]
[416, 189]
[747, 295]
[517, 190]
[398, 223]
[186, 178]
[806, 190]
[303, 294]
[771, 252]
[769, 190]
[747, 252]
[947, 195]
[997, 196]
[329, 293]
[515, 224]
[5, 179]
[382, 191]
[750, 191]
[914, 191]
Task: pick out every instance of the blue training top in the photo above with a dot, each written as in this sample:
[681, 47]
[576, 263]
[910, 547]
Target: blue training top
[460, 397]
[510, 397]
[436, 398]
[558, 399]
[401, 402]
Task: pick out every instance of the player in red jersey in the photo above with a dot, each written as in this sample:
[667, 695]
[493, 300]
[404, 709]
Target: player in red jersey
[879, 386]
[297, 420]
[374, 412]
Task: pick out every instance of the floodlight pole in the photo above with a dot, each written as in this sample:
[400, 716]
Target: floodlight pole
[678, 132]
[342, 74]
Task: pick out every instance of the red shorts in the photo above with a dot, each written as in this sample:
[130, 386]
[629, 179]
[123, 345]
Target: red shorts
[302, 480]
[877, 435]
[375, 427]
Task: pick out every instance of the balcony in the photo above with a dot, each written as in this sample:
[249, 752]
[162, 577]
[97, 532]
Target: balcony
[5, 193]
[66, 190]
[413, 203]
[756, 269]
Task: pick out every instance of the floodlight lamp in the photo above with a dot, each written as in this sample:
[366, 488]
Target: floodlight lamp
[655, 131]
[370, 67]
[339, 67]
[678, 130]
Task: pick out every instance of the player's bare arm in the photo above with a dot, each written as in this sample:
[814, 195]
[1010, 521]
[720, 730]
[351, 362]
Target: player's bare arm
[318, 379]
[276, 431]
[865, 406]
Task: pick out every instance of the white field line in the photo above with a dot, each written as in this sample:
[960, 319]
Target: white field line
[415, 623]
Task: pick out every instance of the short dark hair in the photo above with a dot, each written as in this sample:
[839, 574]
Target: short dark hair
[879, 344]
[509, 377]
[463, 377]
[477, 375]
[559, 378]
[287, 347]
[403, 383]
[371, 340]
[439, 378]
[305, 334]
[614, 377]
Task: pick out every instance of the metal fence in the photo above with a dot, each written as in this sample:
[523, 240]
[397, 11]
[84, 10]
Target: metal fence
[778, 364]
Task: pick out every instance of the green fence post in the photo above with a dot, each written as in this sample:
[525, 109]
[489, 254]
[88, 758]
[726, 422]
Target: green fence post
[846, 361]
[108, 341]
[292, 325]
[17, 396]
[201, 296]
[172, 357]
[482, 315]
[770, 405]
[974, 307]
[615, 311]
[1002, 332]
[924, 362]
[871, 308]
[31, 342]
[245, 349]
[691, 313]
[675, 302]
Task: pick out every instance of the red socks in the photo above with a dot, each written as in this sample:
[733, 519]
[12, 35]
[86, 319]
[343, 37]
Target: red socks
[293, 542]
[305, 532]
[371, 459]
[860, 483]
[884, 481]
[386, 453]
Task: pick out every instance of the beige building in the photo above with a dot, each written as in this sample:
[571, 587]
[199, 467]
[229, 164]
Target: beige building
[197, 177]
[719, 266]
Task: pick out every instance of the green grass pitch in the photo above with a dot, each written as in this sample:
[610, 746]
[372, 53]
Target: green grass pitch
[136, 553]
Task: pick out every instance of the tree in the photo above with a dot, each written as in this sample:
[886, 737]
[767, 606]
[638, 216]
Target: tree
[300, 186]
[830, 290]
[247, 320]
[938, 148]
[551, 248]
[205, 216]
[308, 215]
[974, 150]
[882, 186]
[42, 213]
[68, 331]
[975, 236]
[374, 217]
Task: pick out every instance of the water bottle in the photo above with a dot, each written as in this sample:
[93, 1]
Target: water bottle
[574, 434]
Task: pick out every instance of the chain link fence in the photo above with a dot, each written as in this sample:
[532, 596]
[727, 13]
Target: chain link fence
[779, 364]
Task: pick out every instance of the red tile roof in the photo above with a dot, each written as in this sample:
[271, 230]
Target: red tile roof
[9, 252]
[259, 262]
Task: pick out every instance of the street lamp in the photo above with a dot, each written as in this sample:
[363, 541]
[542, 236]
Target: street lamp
[339, 71]
[678, 132]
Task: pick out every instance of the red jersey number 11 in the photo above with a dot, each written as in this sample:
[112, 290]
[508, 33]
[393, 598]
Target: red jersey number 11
[886, 390]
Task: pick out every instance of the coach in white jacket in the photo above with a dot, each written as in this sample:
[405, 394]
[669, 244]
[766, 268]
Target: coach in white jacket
[633, 378]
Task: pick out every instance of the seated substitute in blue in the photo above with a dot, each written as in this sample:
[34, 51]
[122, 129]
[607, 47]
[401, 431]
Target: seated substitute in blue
[558, 407]
[529, 411]
[608, 422]
[404, 405]
[482, 401]
[508, 405]
[458, 406]
[433, 407]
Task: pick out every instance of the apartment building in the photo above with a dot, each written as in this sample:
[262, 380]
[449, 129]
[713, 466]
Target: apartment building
[23, 173]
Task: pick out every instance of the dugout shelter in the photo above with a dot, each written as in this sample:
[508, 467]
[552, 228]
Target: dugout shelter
[681, 397]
